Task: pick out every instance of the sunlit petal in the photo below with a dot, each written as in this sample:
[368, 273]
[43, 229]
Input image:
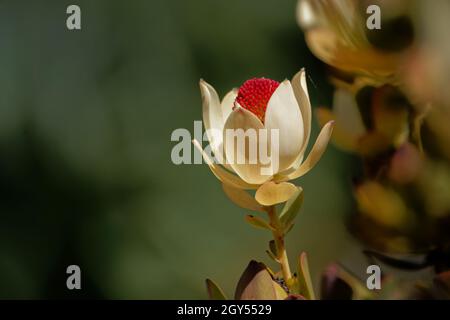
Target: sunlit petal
[301, 94]
[221, 173]
[241, 198]
[245, 136]
[212, 114]
[283, 114]
[228, 103]
[271, 193]
[316, 152]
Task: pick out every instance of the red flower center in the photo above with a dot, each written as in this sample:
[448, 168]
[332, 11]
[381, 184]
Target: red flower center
[254, 95]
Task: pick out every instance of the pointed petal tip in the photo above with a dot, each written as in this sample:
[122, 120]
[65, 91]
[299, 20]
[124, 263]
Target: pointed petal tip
[204, 85]
[330, 124]
[316, 152]
[300, 73]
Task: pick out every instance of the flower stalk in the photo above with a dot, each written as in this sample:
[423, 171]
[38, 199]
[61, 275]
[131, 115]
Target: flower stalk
[278, 236]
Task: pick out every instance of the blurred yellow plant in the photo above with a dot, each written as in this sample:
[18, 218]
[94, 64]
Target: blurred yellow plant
[386, 125]
[335, 33]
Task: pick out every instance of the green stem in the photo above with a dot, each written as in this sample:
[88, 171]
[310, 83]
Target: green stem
[278, 236]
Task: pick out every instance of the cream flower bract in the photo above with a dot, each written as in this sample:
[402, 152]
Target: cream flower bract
[265, 105]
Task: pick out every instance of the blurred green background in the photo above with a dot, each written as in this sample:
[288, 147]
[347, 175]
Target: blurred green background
[85, 171]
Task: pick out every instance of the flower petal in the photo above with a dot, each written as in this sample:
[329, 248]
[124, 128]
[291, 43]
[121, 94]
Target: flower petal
[243, 139]
[271, 193]
[347, 113]
[305, 15]
[241, 198]
[227, 106]
[228, 103]
[316, 153]
[222, 174]
[212, 114]
[301, 94]
[283, 114]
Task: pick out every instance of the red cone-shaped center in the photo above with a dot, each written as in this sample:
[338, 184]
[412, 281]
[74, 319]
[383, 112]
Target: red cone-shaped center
[254, 95]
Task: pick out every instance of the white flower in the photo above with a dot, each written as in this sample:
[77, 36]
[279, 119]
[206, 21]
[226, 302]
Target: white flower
[263, 104]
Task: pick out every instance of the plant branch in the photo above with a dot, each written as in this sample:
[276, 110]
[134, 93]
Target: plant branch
[278, 236]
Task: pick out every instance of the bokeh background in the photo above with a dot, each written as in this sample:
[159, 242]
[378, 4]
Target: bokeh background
[86, 176]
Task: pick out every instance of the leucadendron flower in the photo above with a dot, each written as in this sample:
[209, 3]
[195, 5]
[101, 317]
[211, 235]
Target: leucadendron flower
[335, 31]
[262, 104]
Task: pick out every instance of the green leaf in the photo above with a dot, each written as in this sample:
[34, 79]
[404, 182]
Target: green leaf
[273, 252]
[273, 248]
[258, 222]
[304, 278]
[289, 228]
[291, 209]
[214, 292]
[272, 256]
